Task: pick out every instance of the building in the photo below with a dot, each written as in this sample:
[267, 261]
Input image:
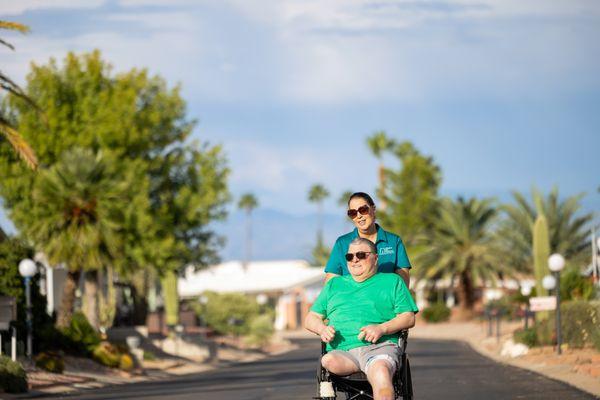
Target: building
[292, 285]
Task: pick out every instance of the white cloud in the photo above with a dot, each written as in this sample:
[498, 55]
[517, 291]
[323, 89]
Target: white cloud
[18, 7]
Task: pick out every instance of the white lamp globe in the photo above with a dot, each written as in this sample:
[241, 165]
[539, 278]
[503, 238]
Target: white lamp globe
[262, 299]
[549, 282]
[27, 268]
[556, 262]
[526, 289]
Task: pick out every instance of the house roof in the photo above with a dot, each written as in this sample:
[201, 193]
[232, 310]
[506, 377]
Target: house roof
[259, 276]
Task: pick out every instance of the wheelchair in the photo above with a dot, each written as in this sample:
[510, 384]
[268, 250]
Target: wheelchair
[356, 386]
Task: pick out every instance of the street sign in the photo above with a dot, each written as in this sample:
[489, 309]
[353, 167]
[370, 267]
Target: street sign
[544, 303]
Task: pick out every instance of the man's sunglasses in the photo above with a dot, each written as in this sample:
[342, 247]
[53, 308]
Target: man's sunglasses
[363, 210]
[361, 255]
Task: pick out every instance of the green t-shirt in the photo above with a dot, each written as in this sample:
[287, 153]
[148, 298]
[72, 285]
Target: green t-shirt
[350, 305]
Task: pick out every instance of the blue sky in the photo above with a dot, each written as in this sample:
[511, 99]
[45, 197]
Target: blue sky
[504, 94]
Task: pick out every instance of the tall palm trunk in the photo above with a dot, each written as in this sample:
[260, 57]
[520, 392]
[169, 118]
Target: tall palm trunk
[65, 313]
[90, 298]
[465, 294]
[248, 254]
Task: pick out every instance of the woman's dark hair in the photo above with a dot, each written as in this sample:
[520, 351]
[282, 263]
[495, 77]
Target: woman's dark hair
[363, 196]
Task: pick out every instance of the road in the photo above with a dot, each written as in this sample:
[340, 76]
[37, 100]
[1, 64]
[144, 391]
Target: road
[445, 370]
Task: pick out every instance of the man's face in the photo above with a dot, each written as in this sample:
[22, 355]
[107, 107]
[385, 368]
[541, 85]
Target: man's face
[362, 270]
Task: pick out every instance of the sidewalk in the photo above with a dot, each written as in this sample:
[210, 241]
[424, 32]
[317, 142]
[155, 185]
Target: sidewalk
[576, 367]
[82, 373]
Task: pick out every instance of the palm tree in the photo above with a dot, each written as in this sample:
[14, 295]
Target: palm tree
[248, 202]
[568, 230]
[77, 219]
[6, 129]
[316, 194]
[379, 143]
[343, 199]
[461, 248]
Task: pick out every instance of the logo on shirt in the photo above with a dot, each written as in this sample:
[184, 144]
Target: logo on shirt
[386, 250]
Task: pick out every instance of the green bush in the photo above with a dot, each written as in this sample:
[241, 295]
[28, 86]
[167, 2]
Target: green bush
[437, 312]
[149, 356]
[107, 355]
[580, 322]
[526, 336]
[13, 378]
[230, 313]
[261, 330]
[50, 361]
[574, 286]
[546, 332]
[82, 334]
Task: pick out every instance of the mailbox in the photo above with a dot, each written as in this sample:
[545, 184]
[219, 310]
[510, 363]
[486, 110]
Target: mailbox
[8, 312]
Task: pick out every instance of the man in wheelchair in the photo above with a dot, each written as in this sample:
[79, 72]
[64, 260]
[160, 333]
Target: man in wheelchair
[366, 312]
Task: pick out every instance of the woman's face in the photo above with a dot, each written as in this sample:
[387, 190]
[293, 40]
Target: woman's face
[362, 222]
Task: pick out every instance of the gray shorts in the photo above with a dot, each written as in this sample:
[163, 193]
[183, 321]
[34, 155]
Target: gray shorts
[363, 356]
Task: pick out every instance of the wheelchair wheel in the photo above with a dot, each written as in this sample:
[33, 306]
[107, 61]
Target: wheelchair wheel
[322, 377]
[407, 390]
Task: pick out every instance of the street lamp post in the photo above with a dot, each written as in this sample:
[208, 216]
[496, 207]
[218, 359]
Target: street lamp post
[27, 269]
[526, 291]
[556, 263]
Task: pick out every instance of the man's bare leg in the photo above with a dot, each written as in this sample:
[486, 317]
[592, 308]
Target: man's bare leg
[338, 364]
[380, 378]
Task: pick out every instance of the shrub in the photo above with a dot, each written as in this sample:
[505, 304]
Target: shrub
[526, 336]
[230, 313]
[574, 286]
[507, 306]
[261, 330]
[107, 355]
[437, 312]
[580, 323]
[545, 332]
[50, 361]
[149, 356]
[82, 333]
[12, 376]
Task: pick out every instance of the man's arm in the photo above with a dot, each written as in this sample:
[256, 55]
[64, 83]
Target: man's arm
[403, 272]
[314, 323]
[329, 275]
[372, 333]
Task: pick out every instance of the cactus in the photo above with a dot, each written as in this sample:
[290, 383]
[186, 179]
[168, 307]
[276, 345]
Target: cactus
[541, 252]
[169, 286]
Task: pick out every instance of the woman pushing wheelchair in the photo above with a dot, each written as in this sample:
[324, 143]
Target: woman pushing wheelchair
[366, 311]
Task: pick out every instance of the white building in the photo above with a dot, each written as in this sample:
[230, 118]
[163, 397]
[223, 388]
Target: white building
[292, 284]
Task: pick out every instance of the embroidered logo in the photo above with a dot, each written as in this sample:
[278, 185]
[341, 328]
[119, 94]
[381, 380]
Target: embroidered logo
[386, 250]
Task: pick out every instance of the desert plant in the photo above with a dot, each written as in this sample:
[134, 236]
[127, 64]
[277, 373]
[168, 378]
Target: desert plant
[107, 354]
[12, 376]
[437, 312]
[82, 333]
[50, 361]
[541, 252]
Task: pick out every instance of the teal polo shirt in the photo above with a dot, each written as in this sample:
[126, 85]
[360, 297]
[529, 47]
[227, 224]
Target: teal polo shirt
[390, 250]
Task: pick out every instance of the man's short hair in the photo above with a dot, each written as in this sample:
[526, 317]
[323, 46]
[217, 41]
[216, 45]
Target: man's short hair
[359, 240]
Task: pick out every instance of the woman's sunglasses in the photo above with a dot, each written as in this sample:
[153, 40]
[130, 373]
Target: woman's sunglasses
[361, 255]
[363, 210]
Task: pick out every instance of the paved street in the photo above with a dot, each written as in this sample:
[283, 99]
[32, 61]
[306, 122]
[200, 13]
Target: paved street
[441, 370]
